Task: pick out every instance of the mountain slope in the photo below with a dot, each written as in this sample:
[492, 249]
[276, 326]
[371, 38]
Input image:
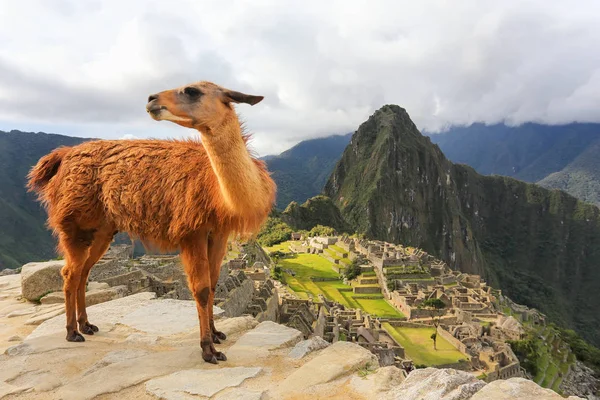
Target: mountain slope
[318, 210]
[529, 152]
[301, 172]
[581, 178]
[540, 246]
[23, 234]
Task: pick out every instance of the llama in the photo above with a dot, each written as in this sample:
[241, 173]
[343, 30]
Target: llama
[174, 194]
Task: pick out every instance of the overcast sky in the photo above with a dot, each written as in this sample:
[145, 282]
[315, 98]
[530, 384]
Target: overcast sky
[86, 68]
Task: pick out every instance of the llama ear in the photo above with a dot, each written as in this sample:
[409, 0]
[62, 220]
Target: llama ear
[237, 97]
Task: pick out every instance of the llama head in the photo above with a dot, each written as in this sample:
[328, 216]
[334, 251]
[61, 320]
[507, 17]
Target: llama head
[202, 105]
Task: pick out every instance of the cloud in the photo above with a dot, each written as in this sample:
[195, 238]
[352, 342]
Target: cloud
[323, 67]
[129, 136]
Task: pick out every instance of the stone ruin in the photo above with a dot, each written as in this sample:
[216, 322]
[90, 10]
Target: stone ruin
[237, 293]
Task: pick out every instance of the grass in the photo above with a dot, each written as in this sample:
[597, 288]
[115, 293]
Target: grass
[331, 254]
[283, 246]
[345, 261]
[306, 266]
[419, 346]
[337, 248]
[378, 307]
[369, 274]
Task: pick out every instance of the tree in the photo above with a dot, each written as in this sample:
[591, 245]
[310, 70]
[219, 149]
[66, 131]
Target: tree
[353, 270]
[320, 230]
[436, 309]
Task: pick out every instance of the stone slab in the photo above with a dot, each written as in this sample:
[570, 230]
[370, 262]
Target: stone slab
[165, 317]
[183, 385]
[104, 315]
[305, 347]
[121, 375]
[240, 394]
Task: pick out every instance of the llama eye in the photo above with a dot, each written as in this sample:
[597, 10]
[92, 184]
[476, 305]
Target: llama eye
[192, 91]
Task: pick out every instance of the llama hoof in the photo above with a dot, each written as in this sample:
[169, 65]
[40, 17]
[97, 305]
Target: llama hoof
[220, 356]
[216, 339]
[75, 337]
[210, 358]
[220, 335]
[88, 329]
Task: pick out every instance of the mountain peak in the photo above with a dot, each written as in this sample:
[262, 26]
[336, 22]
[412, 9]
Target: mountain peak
[393, 184]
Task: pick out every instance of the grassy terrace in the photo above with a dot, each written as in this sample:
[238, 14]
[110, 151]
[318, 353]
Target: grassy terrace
[419, 346]
[284, 246]
[551, 368]
[337, 248]
[306, 266]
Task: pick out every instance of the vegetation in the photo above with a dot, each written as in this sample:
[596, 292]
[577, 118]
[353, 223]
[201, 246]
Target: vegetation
[273, 232]
[528, 352]
[416, 344]
[320, 230]
[436, 309]
[353, 270]
[584, 351]
[318, 210]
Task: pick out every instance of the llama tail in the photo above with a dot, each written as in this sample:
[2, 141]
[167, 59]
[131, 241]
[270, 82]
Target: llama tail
[45, 169]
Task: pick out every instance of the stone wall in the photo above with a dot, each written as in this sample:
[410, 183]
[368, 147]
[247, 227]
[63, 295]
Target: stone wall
[238, 299]
[367, 289]
[272, 311]
[453, 341]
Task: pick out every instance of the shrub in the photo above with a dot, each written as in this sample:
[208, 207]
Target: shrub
[320, 230]
[273, 232]
[353, 270]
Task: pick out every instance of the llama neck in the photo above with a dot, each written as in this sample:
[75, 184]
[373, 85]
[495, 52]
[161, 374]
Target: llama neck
[243, 185]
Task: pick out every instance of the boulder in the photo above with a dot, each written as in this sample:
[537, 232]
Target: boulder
[92, 297]
[516, 388]
[198, 382]
[8, 271]
[41, 278]
[436, 384]
[375, 385]
[337, 360]
[305, 347]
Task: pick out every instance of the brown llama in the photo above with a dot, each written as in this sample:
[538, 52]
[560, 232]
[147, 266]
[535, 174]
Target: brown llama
[186, 195]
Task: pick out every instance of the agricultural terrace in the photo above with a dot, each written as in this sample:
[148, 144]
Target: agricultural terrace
[306, 266]
[418, 345]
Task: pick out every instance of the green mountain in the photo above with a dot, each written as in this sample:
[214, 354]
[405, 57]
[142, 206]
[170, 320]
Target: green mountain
[301, 172]
[23, 234]
[318, 210]
[542, 247]
[581, 178]
[531, 152]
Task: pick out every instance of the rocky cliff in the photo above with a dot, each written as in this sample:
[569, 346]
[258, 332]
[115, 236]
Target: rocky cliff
[537, 245]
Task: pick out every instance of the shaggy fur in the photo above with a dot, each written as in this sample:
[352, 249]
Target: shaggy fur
[173, 194]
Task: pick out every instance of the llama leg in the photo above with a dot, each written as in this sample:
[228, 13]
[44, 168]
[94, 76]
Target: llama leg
[217, 247]
[76, 252]
[99, 247]
[194, 255]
